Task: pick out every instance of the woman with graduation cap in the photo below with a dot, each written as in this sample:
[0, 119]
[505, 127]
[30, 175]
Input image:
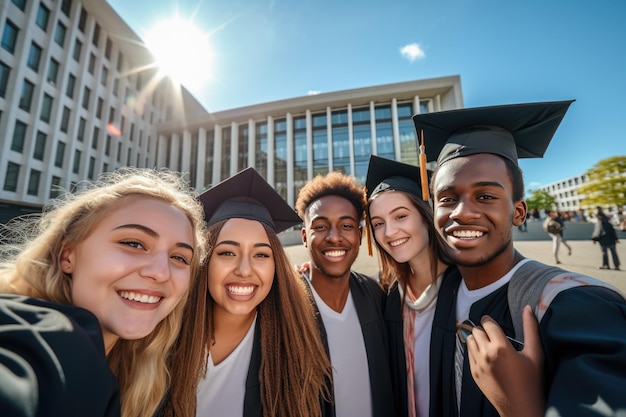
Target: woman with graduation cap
[413, 262]
[251, 346]
[478, 194]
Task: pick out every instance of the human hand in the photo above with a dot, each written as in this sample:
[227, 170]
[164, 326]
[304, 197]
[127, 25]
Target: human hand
[304, 268]
[510, 379]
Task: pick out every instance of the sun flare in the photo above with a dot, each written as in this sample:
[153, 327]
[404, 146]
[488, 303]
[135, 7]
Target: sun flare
[181, 50]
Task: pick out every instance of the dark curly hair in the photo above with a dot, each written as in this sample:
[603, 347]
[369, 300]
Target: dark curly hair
[333, 183]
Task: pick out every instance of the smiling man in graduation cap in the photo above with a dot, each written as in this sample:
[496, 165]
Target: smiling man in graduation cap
[478, 194]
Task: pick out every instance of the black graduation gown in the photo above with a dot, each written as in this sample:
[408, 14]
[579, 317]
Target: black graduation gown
[395, 330]
[369, 300]
[584, 343]
[52, 361]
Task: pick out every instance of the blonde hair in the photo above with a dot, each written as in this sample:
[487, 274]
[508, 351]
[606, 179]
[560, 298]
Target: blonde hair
[34, 269]
[293, 387]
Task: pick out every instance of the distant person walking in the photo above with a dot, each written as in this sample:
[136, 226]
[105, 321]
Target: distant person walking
[553, 224]
[604, 233]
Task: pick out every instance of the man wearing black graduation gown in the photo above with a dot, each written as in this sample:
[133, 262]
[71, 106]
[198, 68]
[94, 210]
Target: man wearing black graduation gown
[332, 208]
[478, 195]
[52, 361]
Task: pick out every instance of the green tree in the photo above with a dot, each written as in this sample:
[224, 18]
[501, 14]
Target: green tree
[541, 200]
[606, 183]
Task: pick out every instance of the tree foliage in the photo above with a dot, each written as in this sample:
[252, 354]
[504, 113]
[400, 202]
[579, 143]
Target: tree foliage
[606, 183]
[541, 200]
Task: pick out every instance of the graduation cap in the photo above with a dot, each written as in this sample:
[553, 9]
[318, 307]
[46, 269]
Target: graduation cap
[510, 131]
[246, 195]
[388, 175]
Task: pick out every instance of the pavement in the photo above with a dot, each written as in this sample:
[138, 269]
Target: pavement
[585, 258]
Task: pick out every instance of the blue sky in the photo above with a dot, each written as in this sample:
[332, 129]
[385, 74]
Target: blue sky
[505, 52]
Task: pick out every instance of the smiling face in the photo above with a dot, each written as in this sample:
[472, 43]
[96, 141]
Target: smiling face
[133, 268]
[332, 235]
[241, 268]
[398, 226]
[475, 212]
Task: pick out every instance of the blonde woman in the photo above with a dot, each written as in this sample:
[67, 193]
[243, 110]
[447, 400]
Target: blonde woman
[125, 248]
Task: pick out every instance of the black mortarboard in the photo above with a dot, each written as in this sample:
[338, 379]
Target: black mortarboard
[386, 174]
[246, 195]
[510, 131]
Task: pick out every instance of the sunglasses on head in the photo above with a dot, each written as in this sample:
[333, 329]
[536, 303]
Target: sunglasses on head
[463, 330]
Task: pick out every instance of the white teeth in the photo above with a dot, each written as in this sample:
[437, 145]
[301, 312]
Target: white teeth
[466, 234]
[142, 298]
[397, 242]
[239, 290]
[335, 253]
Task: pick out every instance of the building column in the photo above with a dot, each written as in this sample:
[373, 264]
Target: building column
[290, 162]
[271, 157]
[175, 152]
[309, 145]
[217, 155]
[251, 143]
[201, 160]
[395, 129]
[351, 140]
[234, 148]
[161, 149]
[185, 162]
[329, 137]
[373, 128]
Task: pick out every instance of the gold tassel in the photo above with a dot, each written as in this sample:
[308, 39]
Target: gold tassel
[423, 170]
[368, 236]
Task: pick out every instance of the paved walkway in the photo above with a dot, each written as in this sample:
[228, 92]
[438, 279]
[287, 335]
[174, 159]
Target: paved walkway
[585, 258]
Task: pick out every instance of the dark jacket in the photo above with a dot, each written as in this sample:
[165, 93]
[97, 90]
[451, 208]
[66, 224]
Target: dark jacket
[604, 233]
[52, 361]
[369, 300]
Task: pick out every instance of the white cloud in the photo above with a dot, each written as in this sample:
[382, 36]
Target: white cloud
[412, 52]
[313, 93]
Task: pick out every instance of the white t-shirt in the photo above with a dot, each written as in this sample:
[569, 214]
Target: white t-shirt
[351, 379]
[223, 389]
[421, 358]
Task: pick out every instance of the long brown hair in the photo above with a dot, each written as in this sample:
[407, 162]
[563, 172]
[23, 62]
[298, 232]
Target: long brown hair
[294, 366]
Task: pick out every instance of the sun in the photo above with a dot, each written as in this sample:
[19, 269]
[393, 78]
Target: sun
[182, 51]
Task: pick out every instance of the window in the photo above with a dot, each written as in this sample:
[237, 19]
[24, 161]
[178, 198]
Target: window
[20, 3]
[104, 75]
[71, 84]
[59, 34]
[53, 71]
[43, 15]
[92, 166]
[5, 71]
[10, 180]
[46, 108]
[99, 108]
[116, 86]
[65, 119]
[92, 63]
[94, 139]
[96, 35]
[86, 96]
[120, 61]
[76, 167]
[19, 134]
[82, 22]
[81, 129]
[26, 98]
[107, 148]
[60, 155]
[34, 57]
[55, 186]
[107, 49]
[33, 182]
[40, 146]
[9, 36]
[78, 46]
[105, 167]
[66, 7]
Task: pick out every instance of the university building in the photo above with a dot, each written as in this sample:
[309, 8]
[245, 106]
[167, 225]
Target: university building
[79, 95]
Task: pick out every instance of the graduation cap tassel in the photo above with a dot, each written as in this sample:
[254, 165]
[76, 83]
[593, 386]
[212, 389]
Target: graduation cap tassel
[423, 170]
[368, 236]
